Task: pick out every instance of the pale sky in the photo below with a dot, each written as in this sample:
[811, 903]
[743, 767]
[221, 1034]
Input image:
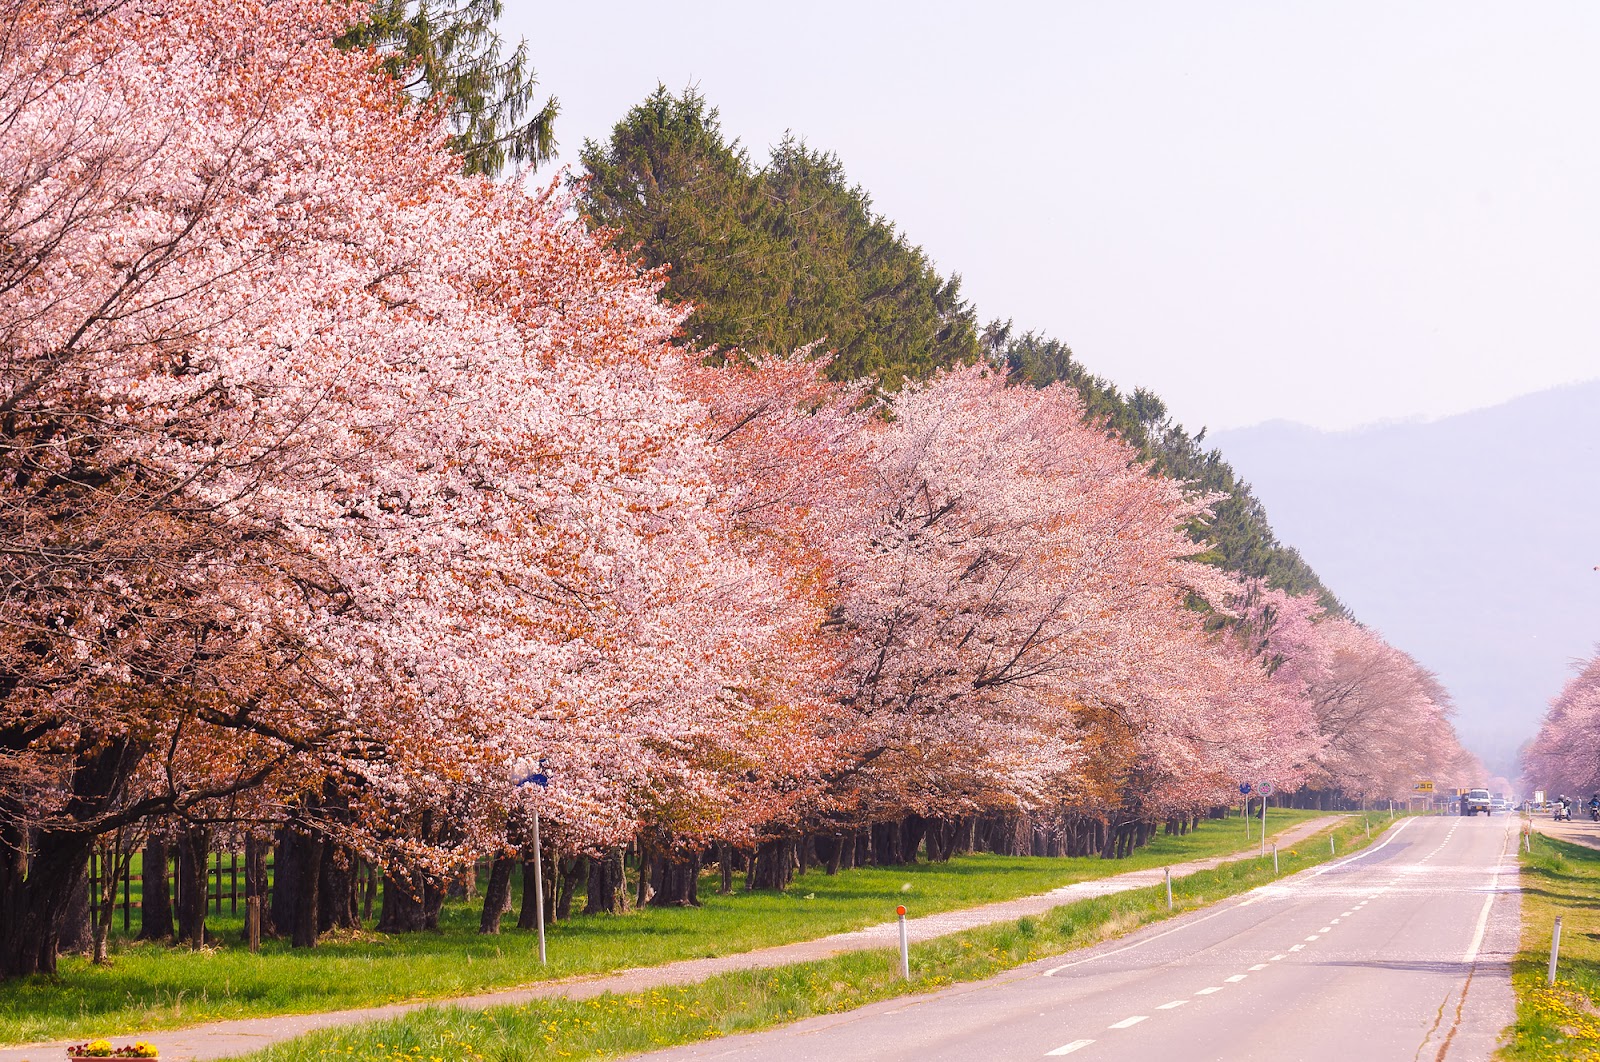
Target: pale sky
[1333, 213]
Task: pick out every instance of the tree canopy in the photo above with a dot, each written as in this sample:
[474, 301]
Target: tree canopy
[777, 256]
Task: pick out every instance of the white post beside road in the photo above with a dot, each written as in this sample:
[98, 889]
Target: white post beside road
[1168, 871]
[1331, 850]
[1555, 947]
[905, 945]
[1274, 860]
[538, 883]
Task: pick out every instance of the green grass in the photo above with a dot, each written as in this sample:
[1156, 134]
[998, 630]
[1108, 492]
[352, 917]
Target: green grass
[149, 986]
[1560, 1021]
[613, 1025]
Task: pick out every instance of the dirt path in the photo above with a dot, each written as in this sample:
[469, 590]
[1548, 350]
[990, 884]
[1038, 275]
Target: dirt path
[226, 1039]
[1578, 831]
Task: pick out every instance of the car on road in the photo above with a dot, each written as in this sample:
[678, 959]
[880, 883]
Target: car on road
[1477, 800]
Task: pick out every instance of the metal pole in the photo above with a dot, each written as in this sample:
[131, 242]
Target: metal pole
[1555, 947]
[1263, 825]
[905, 945]
[1168, 871]
[538, 884]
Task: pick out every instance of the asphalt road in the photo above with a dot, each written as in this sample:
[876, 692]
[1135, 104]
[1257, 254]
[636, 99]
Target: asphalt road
[1400, 952]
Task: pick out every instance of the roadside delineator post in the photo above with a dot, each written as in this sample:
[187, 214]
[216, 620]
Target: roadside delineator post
[1168, 871]
[905, 945]
[1274, 860]
[1555, 948]
[1331, 849]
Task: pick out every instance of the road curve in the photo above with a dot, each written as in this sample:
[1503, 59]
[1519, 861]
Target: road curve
[1399, 952]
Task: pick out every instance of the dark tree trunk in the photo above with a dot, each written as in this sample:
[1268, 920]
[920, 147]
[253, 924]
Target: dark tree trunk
[886, 844]
[912, 828]
[725, 868]
[571, 870]
[608, 884]
[256, 881]
[774, 864]
[77, 934]
[285, 873]
[828, 847]
[676, 881]
[35, 883]
[155, 909]
[193, 845]
[336, 889]
[411, 902]
[307, 885]
[497, 895]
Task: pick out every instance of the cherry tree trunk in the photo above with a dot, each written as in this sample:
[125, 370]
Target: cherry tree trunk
[337, 898]
[155, 908]
[194, 844]
[608, 884]
[36, 881]
[307, 885]
[571, 870]
[774, 864]
[411, 902]
[676, 881]
[886, 844]
[497, 894]
[76, 935]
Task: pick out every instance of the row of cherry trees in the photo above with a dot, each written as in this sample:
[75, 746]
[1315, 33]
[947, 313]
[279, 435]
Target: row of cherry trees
[1564, 758]
[335, 485]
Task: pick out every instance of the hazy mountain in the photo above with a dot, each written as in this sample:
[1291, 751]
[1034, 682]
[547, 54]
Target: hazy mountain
[1470, 542]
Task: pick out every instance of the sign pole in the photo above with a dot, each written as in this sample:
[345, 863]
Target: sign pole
[1263, 824]
[538, 884]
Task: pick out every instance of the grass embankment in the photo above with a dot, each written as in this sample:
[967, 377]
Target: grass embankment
[1560, 1021]
[148, 986]
[748, 1001]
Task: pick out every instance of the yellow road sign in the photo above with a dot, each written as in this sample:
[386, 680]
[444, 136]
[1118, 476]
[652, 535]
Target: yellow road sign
[1423, 787]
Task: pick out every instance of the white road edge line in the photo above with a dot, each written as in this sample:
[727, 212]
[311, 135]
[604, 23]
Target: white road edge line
[1488, 901]
[1067, 1049]
[1365, 851]
[1127, 1023]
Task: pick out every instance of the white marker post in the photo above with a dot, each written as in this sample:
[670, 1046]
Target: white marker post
[1331, 850]
[1274, 860]
[1168, 871]
[1555, 947]
[905, 945]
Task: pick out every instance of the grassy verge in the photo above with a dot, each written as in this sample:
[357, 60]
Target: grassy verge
[148, 986]
[1560, 1021]
[613, 1025]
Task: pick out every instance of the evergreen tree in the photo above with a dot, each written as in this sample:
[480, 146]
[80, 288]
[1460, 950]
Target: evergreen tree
[448, 50]
[777, 257]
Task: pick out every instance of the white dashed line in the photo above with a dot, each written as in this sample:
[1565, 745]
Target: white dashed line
[1325, 929]
[1174, 1003]
[1128, 1022]
[1258, 966]
[1067, 1049]
[1313, 937]
[1235, 978]
[1208, 991]
[1275, 958]
[1297, 947]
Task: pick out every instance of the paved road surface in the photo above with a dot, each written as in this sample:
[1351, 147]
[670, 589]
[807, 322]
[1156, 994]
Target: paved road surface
[1400, 952]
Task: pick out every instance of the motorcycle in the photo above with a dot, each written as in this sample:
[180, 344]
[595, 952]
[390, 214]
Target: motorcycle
[1594, 812]
[1563, 813]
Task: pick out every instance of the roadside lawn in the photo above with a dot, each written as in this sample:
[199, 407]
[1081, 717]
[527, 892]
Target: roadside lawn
[150, 986]
[613, 1025]
[1560, 1021]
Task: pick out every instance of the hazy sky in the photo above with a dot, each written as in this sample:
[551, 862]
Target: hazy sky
[1333, 213]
